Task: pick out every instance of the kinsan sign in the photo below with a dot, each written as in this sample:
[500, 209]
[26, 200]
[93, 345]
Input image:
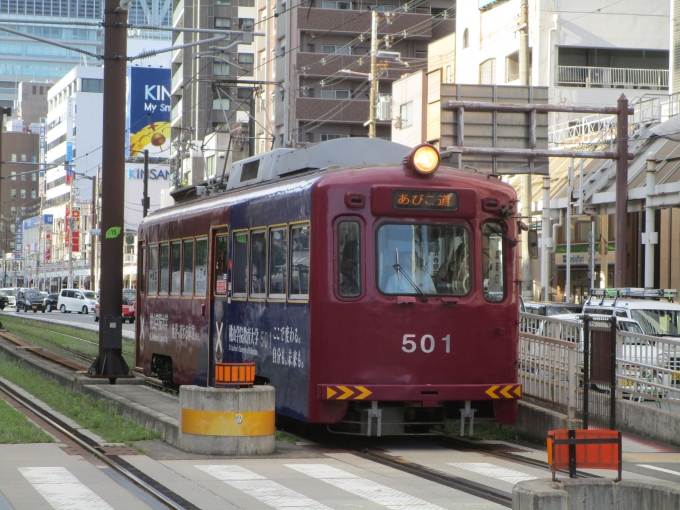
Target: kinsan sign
[154, 173]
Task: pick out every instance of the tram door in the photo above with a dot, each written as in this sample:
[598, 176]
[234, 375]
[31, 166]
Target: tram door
[220, 299]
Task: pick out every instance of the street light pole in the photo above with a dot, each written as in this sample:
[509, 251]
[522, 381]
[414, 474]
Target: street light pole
[110, 363]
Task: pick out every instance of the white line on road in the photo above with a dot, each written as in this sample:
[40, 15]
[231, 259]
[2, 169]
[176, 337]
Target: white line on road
[372, 491]
[492, 471]
[259, 487]
[62, 490]
[660, 469]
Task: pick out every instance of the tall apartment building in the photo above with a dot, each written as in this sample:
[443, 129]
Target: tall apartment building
[320, 60]
[201, 105]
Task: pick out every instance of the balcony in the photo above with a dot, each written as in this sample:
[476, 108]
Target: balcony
[355, 22]
[177, 81]
[333, 110]
[176, 113]
[320, 64]
[178, 14]
[612, 77]
[176, 56]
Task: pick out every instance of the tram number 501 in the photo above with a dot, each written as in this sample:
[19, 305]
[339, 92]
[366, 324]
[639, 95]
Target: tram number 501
[427, 343]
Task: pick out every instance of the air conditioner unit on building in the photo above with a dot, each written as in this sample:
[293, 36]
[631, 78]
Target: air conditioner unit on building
[385, 107]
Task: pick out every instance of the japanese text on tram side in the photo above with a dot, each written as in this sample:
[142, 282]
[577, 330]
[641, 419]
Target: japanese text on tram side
[158, 325]
[182, 332]
[246, 339]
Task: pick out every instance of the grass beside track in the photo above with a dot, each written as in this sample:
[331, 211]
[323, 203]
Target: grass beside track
[48, 336]
[15, 428]
[80, 408]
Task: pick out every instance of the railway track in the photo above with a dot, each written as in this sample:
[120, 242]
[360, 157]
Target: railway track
[61, 430]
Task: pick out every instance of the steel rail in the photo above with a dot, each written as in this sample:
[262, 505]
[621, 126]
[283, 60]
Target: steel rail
[79, 439]
[455, 482]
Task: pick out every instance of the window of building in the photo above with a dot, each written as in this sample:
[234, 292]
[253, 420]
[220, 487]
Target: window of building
[12, 228]
[298, 284]
[34, 175]
[210, 166]
[188, 267]
[222, 23]
[13, 193]
[336, 94]
[447, 75]
[34, 194]
[23, 176]
[406, 114]
[258, 263]
[244, 93]
[512, 67]
[332, 136]
[466, 38]
[23, 158]
[338, 50]
[337, 5]
[92, 85]
[349, 259]
[278, 255]
[487, 72]
[14, 174]
[245, 23]
[201, 266]
[493, 273]
[246, 58]
[240, 263]
[221, 68]
[220, 104]
[222, 2]
[14, 158]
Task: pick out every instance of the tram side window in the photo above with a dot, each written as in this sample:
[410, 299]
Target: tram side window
[493, 272]
[349, 259]
[258, 262]
[240, 268]
[201, 266]
[188, 278]
[164, 256]
[221, 258]
[142, 272]
[299, 261]
[153, 270]
[278, 253]
[175, 267]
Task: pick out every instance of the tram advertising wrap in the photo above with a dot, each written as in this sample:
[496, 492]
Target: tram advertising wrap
[149, 110]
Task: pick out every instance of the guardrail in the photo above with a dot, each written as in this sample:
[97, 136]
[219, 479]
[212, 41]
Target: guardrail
[550, 364]
[612, 77]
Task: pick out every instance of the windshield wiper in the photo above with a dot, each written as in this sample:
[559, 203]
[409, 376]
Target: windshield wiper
[399, 270]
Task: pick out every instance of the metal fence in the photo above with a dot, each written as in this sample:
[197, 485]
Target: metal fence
[604, 77]
[552, 367]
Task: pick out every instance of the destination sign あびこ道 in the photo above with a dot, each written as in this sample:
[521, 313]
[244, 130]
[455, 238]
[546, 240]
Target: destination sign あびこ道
[425, 199]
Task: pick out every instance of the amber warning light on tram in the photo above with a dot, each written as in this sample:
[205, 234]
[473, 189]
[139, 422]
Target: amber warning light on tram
[424, 159]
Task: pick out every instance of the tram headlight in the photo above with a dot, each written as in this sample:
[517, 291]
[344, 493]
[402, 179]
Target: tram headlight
[424, 159]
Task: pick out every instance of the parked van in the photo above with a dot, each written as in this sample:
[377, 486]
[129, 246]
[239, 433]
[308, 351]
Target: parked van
[76, 300]
[655, 317]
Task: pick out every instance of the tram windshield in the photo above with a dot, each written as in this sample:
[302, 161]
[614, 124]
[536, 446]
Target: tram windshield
[423, 259]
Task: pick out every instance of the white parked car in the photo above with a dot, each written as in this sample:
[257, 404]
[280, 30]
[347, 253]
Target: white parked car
[11, 297]
[76, 300]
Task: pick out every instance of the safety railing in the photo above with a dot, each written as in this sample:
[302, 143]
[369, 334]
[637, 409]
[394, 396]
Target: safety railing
[612, 77]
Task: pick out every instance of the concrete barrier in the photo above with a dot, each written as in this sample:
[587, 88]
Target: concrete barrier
[595, 493]
[220, 421]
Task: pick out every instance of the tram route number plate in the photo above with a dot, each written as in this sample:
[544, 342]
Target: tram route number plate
[221, 287]
[430, 200]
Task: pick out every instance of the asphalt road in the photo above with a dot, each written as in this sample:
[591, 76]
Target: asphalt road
[65, 318]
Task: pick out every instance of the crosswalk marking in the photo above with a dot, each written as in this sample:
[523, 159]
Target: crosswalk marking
[259, 487]
[372, 491]
[492, 471]
[660, 469]
[62, 490]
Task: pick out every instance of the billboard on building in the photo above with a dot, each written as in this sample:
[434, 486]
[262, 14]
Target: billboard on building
[149, 110]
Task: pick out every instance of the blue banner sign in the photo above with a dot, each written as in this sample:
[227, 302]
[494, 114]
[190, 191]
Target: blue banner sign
[149, 110]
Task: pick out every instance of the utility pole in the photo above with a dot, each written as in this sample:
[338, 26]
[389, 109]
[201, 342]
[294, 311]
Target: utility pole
[3, 112]
[374, 74]
[527, 279]
[69, 284]
[145, 197]
[110, 363]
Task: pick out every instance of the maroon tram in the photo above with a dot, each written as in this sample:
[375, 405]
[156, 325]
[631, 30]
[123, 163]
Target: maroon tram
[362, 279]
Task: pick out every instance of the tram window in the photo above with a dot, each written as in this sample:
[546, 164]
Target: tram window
[175, 267]
[164, 256]
[421, 259]
[299, 261]
[278, 252]
[188, 273]
[240, 264]
[349, 259]
[142, 272]
[201, 266]
[258, 262]
[153, 270]
[221, 258]
[493, 273]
